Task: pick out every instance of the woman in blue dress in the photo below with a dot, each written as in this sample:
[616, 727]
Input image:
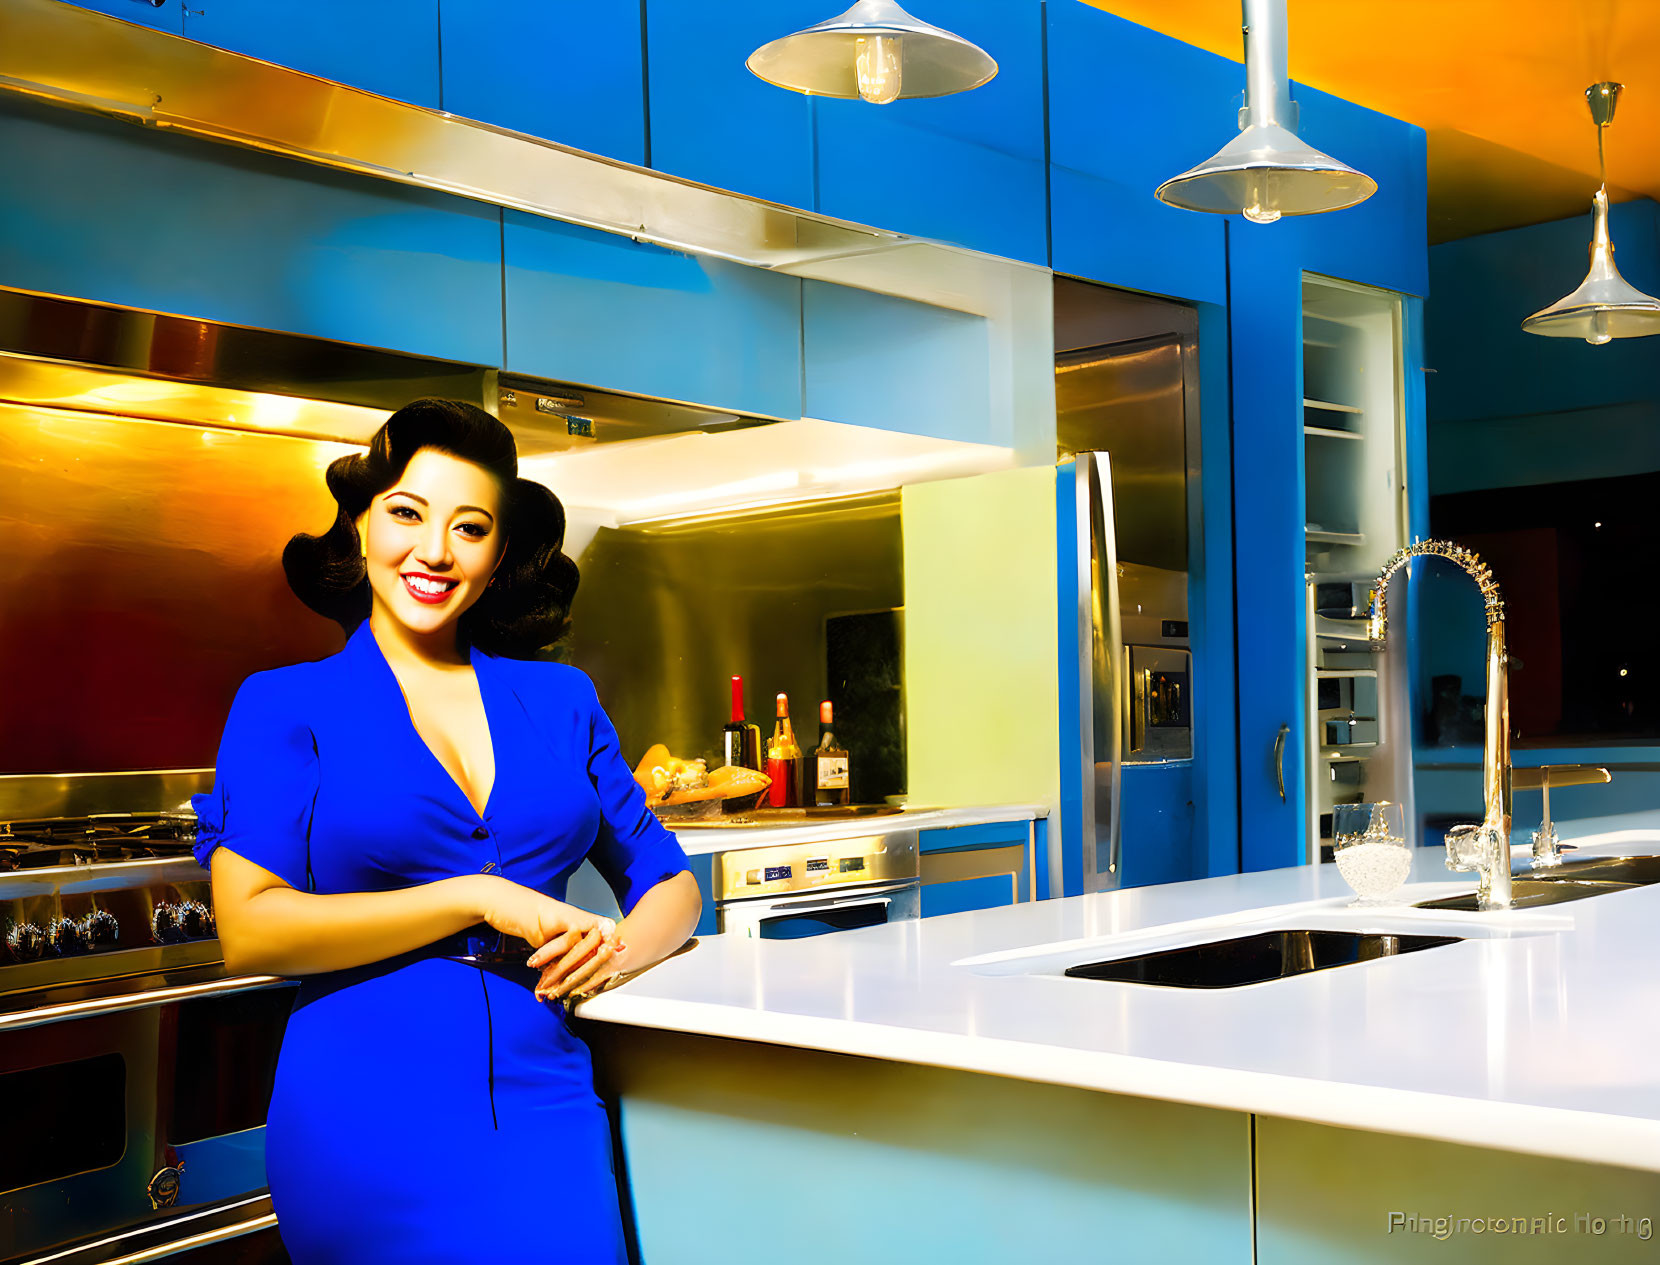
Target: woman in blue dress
[382, 818]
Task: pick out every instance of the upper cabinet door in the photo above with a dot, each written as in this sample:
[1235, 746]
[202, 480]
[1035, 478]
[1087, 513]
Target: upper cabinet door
[714, 122]
[164, 15]
[389, 47]
[1128, 109]
[569, 73]
[966, 168]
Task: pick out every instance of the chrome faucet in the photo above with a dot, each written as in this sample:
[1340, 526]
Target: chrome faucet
[1484, 848]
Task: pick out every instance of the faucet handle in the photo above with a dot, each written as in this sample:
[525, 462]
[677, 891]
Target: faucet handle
[1464, 846]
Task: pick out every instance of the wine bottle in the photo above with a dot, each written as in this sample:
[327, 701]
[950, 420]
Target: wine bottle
[742, 739]
[784, 761]
[829, 763]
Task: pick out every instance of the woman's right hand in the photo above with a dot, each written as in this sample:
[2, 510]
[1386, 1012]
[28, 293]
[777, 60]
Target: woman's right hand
[533, 916]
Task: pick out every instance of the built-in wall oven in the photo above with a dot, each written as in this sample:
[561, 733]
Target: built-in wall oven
[793, 891]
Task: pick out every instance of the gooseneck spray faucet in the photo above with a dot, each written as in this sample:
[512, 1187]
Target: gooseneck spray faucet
[1484, 848]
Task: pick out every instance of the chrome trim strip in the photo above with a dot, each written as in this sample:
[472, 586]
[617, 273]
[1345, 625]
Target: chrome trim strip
[68, 1254]
[98, 1006]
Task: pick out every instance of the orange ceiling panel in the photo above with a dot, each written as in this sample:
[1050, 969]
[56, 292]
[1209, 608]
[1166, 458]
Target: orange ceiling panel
[1498, 85]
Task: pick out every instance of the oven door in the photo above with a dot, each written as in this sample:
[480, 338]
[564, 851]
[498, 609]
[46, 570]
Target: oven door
[125, 1109]
[817, 914]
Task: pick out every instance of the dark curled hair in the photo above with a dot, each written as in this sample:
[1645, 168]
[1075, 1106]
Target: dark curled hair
[526, 608]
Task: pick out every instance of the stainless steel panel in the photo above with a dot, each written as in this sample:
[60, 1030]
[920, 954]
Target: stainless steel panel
[83, 60]
[666, 615]
[1129, 399]
[743, 874]
[115, 361]
[1101, 648]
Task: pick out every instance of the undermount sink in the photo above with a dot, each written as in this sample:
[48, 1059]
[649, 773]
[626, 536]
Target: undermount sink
[1631, 871]
[1529, 893]
[1255, 959]
[1571, 880]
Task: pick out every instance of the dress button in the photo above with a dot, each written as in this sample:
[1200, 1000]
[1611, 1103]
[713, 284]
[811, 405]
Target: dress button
[481, 833]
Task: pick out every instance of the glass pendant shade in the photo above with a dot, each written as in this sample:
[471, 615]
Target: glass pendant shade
[876, 51]
[1267, 171]
[1605, 306]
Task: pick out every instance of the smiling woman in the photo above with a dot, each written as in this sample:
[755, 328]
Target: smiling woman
[384, 820]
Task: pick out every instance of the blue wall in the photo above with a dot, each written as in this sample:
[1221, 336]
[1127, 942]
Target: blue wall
[1510, 409]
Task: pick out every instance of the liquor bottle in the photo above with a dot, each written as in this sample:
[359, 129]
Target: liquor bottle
[829, 763]
[742, 739]
[784, 761]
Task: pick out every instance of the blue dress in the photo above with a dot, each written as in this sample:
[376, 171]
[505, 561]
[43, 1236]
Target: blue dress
[427, 1109]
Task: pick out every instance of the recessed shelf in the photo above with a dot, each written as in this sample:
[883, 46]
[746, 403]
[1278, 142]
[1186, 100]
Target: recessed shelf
[1335, 537]
[1338, 674]
[1332, 432]
[1329, 407]
[1342, 753]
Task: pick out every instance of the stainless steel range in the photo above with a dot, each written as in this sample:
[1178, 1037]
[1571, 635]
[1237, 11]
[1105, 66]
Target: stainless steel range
[134, 1071]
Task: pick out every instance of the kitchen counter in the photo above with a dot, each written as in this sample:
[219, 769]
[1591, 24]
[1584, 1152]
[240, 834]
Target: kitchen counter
[1538, 1034]
[702, 840]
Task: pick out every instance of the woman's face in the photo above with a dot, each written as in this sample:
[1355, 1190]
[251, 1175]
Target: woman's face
[432, 540]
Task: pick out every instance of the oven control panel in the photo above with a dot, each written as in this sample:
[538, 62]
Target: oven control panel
[770, 871]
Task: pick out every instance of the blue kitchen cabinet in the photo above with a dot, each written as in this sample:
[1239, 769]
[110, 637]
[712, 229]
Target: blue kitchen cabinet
[1270, 551]
[389, 47]
[175, 224]
[711, 120]
[966, 168]
[1107, 157]
[568, 73]
[1384, 241]
[167, 16]
[1157, 824]
[875, 360]
[873, 169]
[594, 308]
[972, 893]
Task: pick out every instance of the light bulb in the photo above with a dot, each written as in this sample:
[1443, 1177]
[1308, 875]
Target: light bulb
[877, 66]
[1599, 330]
[1259, 204]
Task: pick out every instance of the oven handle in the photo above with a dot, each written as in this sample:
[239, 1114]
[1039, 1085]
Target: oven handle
[204, 1239]
[808, 902]
[95, 1007]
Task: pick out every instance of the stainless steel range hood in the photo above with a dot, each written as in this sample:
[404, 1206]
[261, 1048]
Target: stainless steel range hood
[96, 358]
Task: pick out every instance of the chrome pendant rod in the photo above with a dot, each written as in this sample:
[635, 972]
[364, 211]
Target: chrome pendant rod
[1267, 67]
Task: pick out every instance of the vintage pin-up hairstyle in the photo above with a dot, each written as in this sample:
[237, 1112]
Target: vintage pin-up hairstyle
[526, 607]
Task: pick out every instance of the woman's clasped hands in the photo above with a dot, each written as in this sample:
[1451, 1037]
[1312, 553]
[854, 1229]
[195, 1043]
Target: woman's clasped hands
[578, 953]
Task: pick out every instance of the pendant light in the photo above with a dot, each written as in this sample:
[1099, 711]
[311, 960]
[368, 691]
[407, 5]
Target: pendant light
[1606, 306]
[1266, 171]
[876, 51]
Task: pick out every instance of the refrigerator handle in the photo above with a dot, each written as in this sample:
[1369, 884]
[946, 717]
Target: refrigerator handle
[1107, 649]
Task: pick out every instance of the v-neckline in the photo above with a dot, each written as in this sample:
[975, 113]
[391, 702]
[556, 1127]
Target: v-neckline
[409, 718]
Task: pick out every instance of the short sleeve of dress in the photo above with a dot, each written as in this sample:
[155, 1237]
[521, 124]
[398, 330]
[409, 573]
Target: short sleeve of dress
[264, 783]
[633, 851]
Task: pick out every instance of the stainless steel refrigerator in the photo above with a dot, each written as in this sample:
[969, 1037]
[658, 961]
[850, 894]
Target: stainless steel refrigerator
[1126, 458]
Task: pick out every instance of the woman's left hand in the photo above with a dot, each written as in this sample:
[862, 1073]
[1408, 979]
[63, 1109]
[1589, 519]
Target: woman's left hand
[580, 969]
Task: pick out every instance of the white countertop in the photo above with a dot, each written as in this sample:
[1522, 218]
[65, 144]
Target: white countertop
[701, 840]
[1540, 1033]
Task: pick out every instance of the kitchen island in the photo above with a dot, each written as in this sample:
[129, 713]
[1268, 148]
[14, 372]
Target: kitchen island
[941, 1090]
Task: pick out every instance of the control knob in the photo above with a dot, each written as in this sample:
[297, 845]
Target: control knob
[100, 929]
[68, 938]
[164, 924]
[25, 942]
[194, 920]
